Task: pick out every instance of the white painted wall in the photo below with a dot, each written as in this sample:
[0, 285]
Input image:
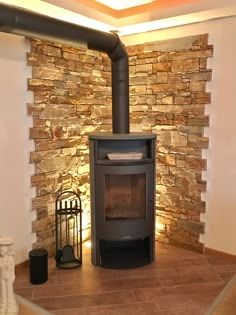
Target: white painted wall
[220, 216]
[15, 188]
[15, 191]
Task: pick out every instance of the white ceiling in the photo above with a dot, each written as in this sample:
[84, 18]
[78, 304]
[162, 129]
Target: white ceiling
[158, 14]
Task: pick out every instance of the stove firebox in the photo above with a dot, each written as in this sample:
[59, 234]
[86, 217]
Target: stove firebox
[122, 199]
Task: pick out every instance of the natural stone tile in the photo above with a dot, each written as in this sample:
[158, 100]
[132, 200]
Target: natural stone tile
[188, 65]
[161, 66]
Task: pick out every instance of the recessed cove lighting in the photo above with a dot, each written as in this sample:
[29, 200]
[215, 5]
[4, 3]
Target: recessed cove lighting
[123, 4]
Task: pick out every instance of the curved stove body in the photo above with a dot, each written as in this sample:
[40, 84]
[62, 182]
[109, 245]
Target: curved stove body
[122, 171]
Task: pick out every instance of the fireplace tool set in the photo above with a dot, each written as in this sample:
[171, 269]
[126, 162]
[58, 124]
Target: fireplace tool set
[68, 221]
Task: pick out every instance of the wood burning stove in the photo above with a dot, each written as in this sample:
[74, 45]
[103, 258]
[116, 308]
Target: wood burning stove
[122, 199]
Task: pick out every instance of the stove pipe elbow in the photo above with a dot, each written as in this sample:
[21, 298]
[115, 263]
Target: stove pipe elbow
[30, 24]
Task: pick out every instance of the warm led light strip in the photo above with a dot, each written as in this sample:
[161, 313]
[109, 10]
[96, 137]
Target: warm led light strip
[123, 4]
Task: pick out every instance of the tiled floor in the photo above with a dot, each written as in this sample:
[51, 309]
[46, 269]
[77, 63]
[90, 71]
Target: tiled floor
[179, 282]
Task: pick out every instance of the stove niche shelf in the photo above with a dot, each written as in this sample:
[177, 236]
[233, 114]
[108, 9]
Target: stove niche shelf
[105, 143]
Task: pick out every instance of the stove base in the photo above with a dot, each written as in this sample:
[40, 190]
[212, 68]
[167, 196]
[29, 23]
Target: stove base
[126, 254]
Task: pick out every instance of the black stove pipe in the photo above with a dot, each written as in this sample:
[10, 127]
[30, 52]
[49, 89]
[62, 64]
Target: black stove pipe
[27, 23]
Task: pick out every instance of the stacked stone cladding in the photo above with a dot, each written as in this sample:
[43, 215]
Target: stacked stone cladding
[168, 95]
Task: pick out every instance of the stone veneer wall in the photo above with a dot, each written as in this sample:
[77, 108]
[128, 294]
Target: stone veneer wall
[168, 97]
[72, 97]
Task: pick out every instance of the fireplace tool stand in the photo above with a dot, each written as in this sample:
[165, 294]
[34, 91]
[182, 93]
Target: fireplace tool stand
[68, 221]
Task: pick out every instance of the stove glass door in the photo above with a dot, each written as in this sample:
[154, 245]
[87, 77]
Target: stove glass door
[125, 196]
